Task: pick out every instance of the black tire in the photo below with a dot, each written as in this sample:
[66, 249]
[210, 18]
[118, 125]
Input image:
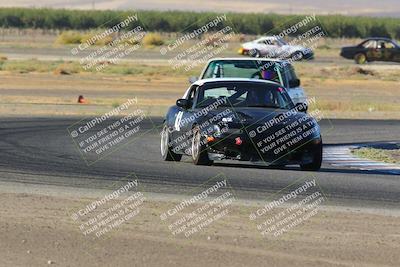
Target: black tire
[255, 53]
[315, 165]
[297, 56]
[360, 58]
[278, 167]
[199, 152]
[167, 153]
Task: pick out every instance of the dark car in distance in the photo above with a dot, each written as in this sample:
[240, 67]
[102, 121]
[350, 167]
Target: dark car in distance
[241, 119]
[373, 49]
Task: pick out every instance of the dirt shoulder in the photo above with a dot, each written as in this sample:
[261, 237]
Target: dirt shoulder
[379, 154]
[340, 92]
[36, 228]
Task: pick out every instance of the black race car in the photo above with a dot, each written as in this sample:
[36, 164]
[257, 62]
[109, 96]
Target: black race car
[241, 119]
[373, 49]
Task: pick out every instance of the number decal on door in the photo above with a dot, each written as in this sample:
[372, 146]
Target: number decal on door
[178, 120]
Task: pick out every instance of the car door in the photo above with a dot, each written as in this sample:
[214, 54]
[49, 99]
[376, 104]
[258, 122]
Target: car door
[267, 48]
[396, 53]
[388, 51]
[295, 91]
[281, 50]
[374, 51]
[183, 122]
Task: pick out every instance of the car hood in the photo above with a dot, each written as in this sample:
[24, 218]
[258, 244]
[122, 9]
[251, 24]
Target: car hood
[259, 123]
[348, 47]
[254, 115]
[289, 48]
[249, 45]
[294, 48]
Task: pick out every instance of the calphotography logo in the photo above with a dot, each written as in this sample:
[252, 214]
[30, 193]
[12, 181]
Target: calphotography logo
[286, 135]
[111, 211]
[99, 136]
[212, 122]
[112, 45]
[294, 40]
[195, 47]
[289, 208]
[201, 210]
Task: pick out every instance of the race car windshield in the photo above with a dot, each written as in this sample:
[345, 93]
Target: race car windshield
[266, 70]
[243, 94]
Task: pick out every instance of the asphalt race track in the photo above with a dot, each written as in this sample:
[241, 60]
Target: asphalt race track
[40, 151]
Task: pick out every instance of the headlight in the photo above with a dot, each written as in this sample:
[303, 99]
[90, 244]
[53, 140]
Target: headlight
[227, 119]
[216, 131]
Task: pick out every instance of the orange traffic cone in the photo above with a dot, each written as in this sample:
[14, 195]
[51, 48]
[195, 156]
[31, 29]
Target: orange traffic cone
[81, 100]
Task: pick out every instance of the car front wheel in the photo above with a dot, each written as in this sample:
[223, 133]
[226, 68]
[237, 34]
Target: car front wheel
[167, 153]
[315, 165]
[297, 56]
[199, 152]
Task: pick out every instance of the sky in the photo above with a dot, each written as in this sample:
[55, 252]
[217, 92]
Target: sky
[347, 7]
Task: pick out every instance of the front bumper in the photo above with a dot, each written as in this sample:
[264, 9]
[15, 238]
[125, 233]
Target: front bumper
[243, 51]
[309, 54]
[227, 147]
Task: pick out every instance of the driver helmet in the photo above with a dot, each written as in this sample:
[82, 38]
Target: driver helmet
[267, 74]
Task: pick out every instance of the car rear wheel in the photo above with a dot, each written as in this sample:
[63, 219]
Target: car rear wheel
[167, 153]
[315, 165]
[199, 152]
[360, 58]
[297, 56]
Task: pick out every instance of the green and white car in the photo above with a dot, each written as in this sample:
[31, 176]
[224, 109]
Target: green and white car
[276, 70]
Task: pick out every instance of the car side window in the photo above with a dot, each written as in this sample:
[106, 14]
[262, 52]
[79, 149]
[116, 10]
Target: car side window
[265, 41]
[281, 42]
[274, 42]
[387, 44]
[211, 68]
[290, 74]
[214, 70]
[370, 44]
[192, 94]
[381, 45]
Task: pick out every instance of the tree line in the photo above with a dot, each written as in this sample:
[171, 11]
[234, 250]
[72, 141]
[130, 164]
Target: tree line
[185, 21]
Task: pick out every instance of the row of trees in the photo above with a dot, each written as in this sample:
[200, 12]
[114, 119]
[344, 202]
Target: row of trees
[182, 21]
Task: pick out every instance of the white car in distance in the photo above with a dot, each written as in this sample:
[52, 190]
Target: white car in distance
[273, 47]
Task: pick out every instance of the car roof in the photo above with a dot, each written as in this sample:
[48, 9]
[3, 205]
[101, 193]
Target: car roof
[378, 38]
[210, 80]
[249, 58]
[268, 37]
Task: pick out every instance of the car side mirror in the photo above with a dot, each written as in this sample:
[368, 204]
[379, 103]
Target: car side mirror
[294, 83]
[301, 107]
[193, 79]
[182, 103]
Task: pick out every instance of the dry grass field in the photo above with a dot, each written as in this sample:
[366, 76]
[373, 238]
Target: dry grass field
[339, 93]
[40, 78]
[332, 237]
